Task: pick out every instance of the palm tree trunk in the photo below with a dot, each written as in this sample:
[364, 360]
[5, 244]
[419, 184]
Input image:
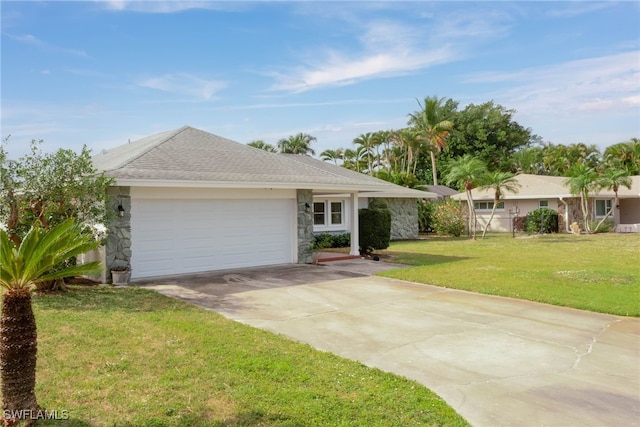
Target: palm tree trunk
[472, 215]
[433, 168]
[18, 352]
[486, 226]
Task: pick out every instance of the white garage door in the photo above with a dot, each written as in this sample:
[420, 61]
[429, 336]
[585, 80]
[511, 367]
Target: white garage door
[186, 236]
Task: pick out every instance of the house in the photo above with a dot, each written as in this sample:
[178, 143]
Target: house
[441, 190]
[190, 201]
[541, 191]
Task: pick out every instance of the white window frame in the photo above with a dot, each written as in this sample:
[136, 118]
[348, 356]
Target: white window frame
[608, 203]
[487, 206]
[328, 214]
[546, 204]
[323, 213]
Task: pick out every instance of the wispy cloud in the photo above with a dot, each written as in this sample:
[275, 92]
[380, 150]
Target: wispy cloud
[184, 84]
[32, 40]
[572, 9]
[595, 84]
[150, 6]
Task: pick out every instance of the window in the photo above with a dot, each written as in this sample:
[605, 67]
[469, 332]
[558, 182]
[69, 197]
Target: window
[318, 213]
[336, 213]
[328, 213]
[543, 204]
[487, 206]
[602, 207]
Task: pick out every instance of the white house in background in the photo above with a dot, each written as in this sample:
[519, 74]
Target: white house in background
[538, 191]
[190, 201]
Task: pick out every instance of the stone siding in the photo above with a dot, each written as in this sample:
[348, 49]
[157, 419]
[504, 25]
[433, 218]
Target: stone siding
[404, 218]
[118, 247]
[305, 226]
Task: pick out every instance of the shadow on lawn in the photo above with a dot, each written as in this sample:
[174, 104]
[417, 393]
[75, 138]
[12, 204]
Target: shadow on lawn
[415, 259]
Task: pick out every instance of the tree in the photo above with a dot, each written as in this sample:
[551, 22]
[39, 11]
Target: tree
[499, 182]
[467, 173]
[581, 181]
[612, 179]
[432, 127]
[50, 188]
[261, 145]
[625, 155]
[489, 132]
[367, 142]
[37, 258]
[332, 155]
[297, 144]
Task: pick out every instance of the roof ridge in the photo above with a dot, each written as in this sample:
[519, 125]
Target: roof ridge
[156, 145]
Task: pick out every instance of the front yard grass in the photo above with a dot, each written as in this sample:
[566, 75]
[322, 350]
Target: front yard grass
[598, 272]
[131, 357]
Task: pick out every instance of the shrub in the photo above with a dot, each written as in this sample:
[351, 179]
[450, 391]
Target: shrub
[542, 220]
[374, 227]
[327, 240]
[607, 225]
[448, 217]
[425, 215]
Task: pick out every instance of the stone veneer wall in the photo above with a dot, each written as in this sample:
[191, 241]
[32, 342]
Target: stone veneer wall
[404, 218]
[305, 226]
[118, 247]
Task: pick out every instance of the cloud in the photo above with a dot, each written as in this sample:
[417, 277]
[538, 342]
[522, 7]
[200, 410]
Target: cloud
[32, 40]
[151, 6]
[184, 84]
[573, 9]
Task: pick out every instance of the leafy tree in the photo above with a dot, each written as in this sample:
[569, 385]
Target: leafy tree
[467, 173]
[297, 144]
[50, 188]
[261, 145]
[499, 182]
[526, 160]
[447, 217]
[36, 259]
[560, 159]
[624, 155]
[489, 132]
[432, 126]
[612, 179]
[581, 181]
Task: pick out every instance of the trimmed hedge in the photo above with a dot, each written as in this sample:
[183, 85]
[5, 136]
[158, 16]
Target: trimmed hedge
[374, 227]
[542, 220]
[327, 240]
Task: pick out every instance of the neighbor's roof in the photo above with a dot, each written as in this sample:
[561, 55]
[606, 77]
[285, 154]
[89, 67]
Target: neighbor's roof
[440, 190]
[544, 186]
[189, 157]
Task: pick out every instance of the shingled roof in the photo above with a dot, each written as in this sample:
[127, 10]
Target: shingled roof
[189, 156]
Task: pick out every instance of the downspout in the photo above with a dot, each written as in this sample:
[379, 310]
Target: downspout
[566, 215]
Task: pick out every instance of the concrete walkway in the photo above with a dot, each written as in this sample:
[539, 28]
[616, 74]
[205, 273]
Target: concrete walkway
[496, 361]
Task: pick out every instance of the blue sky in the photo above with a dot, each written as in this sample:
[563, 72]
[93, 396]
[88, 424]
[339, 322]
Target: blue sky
[104, 72]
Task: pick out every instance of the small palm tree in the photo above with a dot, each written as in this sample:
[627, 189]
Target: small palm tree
[582, 180]
[499, 182]
[297, 144]
[613, 179]
[261, 145]
[332, 155]
[37, 258]
[467, 172]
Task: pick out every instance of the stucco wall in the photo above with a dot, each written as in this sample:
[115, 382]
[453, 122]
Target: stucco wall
[404, 218]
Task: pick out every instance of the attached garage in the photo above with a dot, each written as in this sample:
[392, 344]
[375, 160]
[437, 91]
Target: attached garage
[186, 235]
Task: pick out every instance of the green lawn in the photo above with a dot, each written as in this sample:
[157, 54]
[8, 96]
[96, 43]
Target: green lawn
[598, 272]
[130, 357]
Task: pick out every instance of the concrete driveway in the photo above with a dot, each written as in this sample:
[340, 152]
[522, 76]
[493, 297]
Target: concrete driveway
[496, 361]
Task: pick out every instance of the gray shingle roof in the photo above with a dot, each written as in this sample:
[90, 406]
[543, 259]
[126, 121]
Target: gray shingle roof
[189, 155]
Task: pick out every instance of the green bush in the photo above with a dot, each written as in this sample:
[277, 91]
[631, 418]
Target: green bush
[542, 220]
[327, 240]
[448, 217]
[425, 216]
[608, 225]
[374, 227]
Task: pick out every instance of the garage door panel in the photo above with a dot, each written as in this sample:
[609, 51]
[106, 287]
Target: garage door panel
[184, 236]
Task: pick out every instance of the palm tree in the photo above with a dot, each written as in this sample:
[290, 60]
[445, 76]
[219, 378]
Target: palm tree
[625, 154]
[297, 144]
[261, 145]
[367, 142]
[467, 172]
[332, 155]
[613, 179]
[582, 180]
[39, 257]
[432, 128]
[499, 182]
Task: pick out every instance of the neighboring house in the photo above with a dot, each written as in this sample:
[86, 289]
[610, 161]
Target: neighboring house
[190, 201]
[442, 191]
[541, 191]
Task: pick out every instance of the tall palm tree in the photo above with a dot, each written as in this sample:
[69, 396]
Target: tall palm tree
[37, 258]
[499, 182]
[297, 144]
[613, 179]
[625, 154]
[432, 128]
[332, 155]
[366, 141]
[467, 173]
[261, 145]
[582, 180]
